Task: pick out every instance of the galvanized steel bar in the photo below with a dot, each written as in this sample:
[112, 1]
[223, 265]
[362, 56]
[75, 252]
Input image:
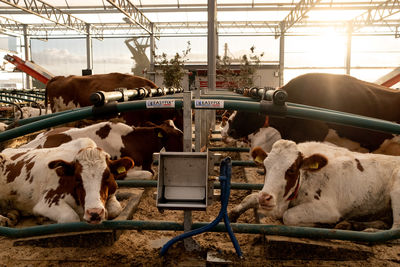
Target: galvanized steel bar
[230, 149]
[18, 98]
[153, 183]
[22, 93]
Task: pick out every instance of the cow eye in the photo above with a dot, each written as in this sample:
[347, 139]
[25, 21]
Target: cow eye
[291, 172]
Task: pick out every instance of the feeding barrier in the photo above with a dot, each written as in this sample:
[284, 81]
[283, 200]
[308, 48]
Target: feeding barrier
[265, 106]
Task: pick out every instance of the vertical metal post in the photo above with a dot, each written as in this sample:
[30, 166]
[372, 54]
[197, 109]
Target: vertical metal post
[152, 75]
[28, 78]
[212, 44]
[212, 51]
[281, 55]
[187, 121]
[189, 243]
[89, 55]
[348, 53]
[197, 124]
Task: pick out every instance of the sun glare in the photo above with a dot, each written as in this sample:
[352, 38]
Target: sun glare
[330, 48]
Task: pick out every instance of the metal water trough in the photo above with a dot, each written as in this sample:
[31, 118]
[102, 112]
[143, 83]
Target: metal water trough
[183, 180]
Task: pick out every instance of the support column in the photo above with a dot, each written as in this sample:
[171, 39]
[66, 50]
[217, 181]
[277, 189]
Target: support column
[89, 53]
[212, 44]
[152, 70]
[28, 79]
[189, 243]
[212, 49]
[348, 53]
[281, 56]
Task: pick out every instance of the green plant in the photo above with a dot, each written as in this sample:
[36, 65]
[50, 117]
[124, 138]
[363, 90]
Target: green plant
[172, 69]
[243, 77]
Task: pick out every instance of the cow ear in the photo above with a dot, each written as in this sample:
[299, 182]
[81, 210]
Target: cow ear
[62, 167]
[314, 162]
[258, 154]
[120, 167]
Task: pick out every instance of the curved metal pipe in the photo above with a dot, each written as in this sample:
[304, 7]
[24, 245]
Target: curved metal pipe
[282, 230]
[12, 103]
[303, 112]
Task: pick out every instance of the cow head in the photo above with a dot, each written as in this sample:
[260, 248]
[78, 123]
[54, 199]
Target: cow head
[171, 137]
[244, 123]
[90, 180]
[284, 165]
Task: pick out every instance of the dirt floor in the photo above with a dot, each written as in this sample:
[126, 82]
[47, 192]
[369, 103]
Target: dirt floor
[142, 248]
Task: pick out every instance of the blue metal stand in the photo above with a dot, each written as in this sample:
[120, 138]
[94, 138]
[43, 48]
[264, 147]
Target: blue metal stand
[225, 179]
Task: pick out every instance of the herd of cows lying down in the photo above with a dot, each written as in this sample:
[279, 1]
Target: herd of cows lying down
[315, 173]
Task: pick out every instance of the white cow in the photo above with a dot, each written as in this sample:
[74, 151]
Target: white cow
[264, 137]
[313, 183]
[69, 183]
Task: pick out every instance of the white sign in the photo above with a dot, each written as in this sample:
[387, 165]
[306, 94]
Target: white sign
[160, 103]
[208, 103]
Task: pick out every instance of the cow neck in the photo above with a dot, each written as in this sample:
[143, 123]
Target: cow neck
[296, 190]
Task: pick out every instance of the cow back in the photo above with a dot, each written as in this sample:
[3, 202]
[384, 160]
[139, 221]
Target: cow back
[77, 89]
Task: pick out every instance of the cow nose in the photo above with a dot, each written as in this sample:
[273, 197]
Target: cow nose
[95, 215]
[265, 199]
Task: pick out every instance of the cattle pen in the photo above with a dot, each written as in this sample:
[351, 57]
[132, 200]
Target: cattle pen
[213, 101]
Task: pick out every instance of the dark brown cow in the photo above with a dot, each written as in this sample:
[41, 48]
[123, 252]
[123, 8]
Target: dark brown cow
[336, 92]
[70, 92]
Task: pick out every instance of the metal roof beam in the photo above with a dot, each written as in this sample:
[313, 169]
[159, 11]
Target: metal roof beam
[11, 26]
[134, 15]
[376, 14]
[203, 8]
[221, 24]
[297, 14]
[51, 13]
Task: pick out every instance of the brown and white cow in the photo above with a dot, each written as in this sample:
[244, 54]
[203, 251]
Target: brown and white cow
[312, 183]
[70, 92]
[119, 140]
[29, 112]
[73, 91]
[336, 92]
[69, 183]
[3, 126]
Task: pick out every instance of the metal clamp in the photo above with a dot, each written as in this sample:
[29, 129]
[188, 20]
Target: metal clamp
[270, 108]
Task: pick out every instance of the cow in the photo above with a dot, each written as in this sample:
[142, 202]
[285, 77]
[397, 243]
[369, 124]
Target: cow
[64, 93]
[73, 91]
[331, 91]
[264, 137]
[118, 140]
[28, 112]
[312, 183]
[390, 147]
[69, 183]
[3, 126]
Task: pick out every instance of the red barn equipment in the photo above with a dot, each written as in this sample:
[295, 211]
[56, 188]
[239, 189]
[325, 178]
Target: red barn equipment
[30, 68]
